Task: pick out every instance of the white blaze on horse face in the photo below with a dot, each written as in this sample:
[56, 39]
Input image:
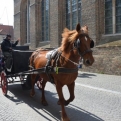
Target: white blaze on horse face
[86, 38]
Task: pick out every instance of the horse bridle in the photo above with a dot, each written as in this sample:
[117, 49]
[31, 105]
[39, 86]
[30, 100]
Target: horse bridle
[77, 43]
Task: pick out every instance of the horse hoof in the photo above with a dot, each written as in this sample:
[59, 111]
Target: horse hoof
[65, 119]
[58, 102]
[32, 94]
[66, 103]
[44, 103]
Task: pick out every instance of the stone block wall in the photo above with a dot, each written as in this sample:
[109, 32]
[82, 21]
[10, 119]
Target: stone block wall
[100, 19]
[17, 19]
[110, 38]
[107, 61]
[32, 33]
[88, 16]
[54, 23]
[92, 15]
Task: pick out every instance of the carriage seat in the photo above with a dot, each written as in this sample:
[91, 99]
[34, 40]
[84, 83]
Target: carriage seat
[21, 60]
[21, 47]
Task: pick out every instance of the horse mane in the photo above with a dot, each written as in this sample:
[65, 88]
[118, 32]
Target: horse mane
[68, 37]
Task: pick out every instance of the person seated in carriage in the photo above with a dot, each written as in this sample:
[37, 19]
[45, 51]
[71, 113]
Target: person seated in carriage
[6, 47]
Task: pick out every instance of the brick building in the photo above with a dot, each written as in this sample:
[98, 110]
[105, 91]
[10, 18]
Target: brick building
[4, 30]
[41, 22]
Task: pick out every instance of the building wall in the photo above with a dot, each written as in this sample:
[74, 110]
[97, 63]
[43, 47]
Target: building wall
[100, 17]
[93, 15]
[33, 23]
[54, 19]
[100, 14]
[89, 17]
[23, 22]
[56, 22]
[17, 18]
[2, 37]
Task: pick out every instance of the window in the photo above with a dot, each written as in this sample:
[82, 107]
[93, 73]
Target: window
[73, 13]
[45, 20]
[108, 17]
[118, 16]
[112, 16]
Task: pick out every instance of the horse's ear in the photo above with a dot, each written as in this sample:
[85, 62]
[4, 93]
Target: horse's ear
[78, 27]
[86, 27]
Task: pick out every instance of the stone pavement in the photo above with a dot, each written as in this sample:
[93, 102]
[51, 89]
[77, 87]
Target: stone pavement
[97, 98]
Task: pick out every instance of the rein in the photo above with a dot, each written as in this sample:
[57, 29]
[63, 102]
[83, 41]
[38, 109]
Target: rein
[71, 61]
[83, 53]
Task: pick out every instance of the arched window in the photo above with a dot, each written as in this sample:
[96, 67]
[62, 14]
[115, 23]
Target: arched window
[45, 20]
[73, 13]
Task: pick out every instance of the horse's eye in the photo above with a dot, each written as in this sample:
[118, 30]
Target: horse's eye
[92, 44]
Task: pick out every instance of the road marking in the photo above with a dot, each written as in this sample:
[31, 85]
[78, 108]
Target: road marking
[97, 88]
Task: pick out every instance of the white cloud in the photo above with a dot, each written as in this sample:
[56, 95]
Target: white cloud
[6, 12]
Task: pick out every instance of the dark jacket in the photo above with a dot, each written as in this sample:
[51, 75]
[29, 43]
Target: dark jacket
[6, 45]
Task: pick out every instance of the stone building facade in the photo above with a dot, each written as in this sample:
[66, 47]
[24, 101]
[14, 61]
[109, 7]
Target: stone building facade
[40, 23]
[4, 30]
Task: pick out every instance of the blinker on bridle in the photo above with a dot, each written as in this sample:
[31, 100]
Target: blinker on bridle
[77, 46]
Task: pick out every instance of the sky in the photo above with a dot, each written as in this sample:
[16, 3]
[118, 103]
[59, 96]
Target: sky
[6, 12]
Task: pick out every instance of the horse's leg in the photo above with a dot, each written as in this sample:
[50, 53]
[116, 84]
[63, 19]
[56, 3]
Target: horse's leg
[43, 100]
[71, 91]
[33, 77]
[61, 100]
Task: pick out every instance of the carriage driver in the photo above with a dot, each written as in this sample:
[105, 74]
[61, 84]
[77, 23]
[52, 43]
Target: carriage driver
[6, 47]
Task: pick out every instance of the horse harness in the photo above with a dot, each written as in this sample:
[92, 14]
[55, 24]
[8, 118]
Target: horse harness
[54, 58]
[54, 61]
[58, 54]
[77, 43]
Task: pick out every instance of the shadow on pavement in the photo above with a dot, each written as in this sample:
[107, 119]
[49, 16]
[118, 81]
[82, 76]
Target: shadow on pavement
[86, 75]
[17, 95]
[85, 115]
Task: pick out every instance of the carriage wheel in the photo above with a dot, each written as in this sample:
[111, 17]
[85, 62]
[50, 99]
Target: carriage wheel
[4, 83]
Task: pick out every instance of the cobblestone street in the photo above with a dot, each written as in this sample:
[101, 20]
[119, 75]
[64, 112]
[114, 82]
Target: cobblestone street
[55, 39]
[97, 98]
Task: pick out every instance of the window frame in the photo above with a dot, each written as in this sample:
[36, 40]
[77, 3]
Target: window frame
[114, 23]
[45, 9]
[72, 13]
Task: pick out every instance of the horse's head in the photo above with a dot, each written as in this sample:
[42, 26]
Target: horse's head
[80, 40]
[83, 44]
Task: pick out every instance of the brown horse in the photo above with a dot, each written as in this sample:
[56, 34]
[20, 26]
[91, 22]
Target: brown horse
[75, 44]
